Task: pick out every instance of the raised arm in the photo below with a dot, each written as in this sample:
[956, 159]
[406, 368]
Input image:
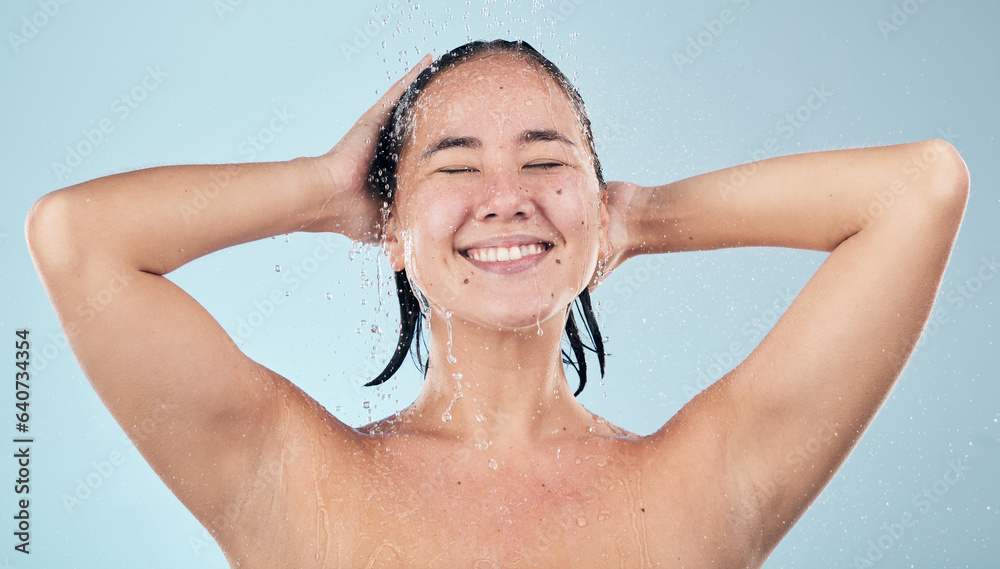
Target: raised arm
[152, 352]
[786, 418]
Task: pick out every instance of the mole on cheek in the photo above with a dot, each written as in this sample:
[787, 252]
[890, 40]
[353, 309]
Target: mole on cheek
[559, 192]
[558, 262]
[466, 281]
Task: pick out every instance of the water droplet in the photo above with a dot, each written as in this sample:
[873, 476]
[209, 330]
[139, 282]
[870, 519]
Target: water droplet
[581, 521]
[277, 268]
[493, 464]
[451, 358]
[329, 296]
[366, 405]
[337, 408]
[479, 416]
[376, 329]
[446, 416]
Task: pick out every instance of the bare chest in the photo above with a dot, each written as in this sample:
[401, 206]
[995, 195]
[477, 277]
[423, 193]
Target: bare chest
[590, 506]
[506, 514]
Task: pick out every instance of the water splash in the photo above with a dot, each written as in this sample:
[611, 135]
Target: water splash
[446, 416]
[451, 358]
[538, 295]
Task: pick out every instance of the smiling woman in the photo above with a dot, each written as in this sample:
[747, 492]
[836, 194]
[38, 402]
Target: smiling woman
[497, 219]
[398, 137]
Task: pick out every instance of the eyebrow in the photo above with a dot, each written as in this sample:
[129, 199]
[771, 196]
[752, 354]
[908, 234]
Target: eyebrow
[451, 142]
[527, 137]
[546, 135]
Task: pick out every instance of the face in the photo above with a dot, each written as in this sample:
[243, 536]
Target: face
[498, 216]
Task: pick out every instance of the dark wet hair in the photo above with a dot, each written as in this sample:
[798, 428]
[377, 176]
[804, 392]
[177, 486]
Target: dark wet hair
[382, 178]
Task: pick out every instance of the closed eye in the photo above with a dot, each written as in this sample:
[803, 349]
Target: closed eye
[544, 165]
[456, 170]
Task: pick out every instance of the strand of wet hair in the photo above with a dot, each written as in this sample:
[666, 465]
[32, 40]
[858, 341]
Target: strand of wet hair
[409, 317]
[576, 344]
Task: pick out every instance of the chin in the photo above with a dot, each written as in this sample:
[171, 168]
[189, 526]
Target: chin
[517, 317]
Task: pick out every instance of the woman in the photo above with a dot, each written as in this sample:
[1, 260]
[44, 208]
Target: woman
[500, 219]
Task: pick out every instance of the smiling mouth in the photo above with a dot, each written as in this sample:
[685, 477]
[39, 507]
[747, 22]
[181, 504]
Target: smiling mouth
[506, 254]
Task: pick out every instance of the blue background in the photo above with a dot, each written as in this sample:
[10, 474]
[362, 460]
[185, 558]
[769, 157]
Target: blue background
[220, 73]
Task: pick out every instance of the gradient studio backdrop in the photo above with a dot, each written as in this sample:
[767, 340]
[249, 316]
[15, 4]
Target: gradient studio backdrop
[674, 89]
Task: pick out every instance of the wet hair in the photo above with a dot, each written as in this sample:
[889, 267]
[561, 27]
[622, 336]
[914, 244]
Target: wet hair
[382, 179]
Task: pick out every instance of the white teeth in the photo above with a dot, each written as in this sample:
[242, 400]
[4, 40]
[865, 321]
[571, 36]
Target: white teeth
[505, 254]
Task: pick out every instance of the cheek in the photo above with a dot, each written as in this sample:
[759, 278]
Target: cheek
[575, 209]
[431, 219]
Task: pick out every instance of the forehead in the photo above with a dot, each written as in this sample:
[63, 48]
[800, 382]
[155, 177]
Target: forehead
[494, 93]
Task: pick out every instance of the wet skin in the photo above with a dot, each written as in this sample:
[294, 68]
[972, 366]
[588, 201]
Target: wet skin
[517, 473]
[601, 498]
[496, 463]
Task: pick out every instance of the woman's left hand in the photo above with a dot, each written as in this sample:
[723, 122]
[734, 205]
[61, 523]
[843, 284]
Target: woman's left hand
[623, 214]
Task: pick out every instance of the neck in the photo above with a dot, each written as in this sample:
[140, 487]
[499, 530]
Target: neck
[496, 385]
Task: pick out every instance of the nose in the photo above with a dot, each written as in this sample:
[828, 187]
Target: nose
[506, 198]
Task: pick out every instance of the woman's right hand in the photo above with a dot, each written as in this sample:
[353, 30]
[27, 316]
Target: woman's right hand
[346, 166]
